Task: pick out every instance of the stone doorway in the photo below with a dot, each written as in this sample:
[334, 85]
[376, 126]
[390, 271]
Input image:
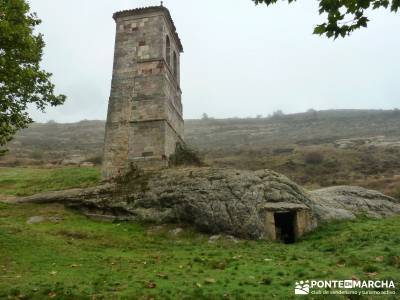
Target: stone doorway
[285, 223]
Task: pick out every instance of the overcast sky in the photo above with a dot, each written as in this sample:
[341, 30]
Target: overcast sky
[239, 60]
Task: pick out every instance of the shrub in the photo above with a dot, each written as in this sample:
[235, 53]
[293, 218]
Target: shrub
[185, 156]
[313, 157]
[131, 175]
[278, 114]
[396, 193]
[36, 154]
[15, 163]
[96, 159]
[266, 281]
[370, 269]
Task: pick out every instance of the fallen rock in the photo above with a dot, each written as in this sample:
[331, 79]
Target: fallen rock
[232, 239]
[87, 164]
[154, 230]
[35, 220]
[218, 237]
[176, 231]
[56, 219]
[7, 198]
[73, 160]
[214, 238]
[368, 142]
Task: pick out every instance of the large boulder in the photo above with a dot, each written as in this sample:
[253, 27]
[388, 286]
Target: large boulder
[217, 201]
[213, 200]
[346, 202]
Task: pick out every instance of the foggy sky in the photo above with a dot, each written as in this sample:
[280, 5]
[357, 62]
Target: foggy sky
[239, 60]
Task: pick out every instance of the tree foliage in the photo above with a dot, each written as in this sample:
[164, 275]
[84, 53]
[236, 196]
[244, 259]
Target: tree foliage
[22, 81]
[344, 16]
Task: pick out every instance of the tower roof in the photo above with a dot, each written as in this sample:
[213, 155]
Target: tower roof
[151, 9]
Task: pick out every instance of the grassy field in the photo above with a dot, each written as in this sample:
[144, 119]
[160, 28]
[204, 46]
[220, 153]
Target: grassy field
[29, 181]
[70, 257]
[67, 256]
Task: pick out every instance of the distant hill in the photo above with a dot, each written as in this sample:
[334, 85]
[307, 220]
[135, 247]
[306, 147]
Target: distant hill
[315, 149]
[311, 128]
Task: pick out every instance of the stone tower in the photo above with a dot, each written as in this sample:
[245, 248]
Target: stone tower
[144, 120]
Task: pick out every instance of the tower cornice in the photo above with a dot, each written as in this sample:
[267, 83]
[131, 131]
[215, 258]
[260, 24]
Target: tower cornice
[151, 9]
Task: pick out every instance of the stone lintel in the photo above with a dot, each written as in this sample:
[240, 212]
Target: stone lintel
[284, 206]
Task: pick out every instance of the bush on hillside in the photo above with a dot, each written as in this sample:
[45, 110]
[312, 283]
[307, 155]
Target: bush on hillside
[37, 154]
[185, 156]
[96, 159]
[313, 157]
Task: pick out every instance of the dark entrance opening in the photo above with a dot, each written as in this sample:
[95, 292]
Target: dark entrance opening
[284, 227]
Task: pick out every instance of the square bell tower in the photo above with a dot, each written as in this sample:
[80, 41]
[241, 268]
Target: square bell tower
[144, 120]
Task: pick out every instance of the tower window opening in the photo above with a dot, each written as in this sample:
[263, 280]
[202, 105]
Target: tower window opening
[168, 51]
[175, 64]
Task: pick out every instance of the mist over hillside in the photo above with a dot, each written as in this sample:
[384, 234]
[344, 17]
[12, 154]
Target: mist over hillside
[315, 149]
[314, 127]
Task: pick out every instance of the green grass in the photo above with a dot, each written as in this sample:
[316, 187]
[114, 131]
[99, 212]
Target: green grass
[29, 181]
[72, 257]
[77, 258]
